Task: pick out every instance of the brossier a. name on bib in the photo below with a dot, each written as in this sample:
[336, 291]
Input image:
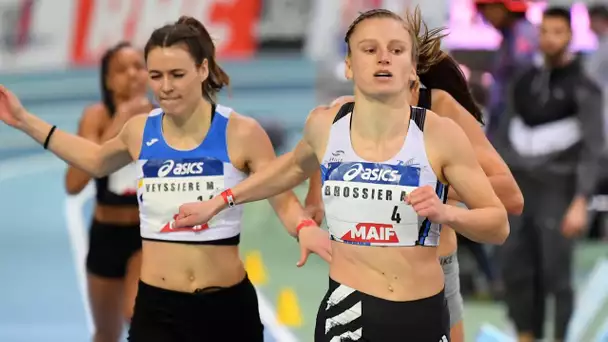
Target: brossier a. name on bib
[365, 203]
[167, 184]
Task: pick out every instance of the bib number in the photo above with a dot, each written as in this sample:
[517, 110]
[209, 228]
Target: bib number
[202, 198]
[396, 217]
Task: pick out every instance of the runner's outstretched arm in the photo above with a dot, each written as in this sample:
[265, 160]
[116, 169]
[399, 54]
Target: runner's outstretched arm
[282, 174]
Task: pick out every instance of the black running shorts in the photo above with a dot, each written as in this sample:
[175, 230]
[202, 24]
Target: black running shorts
[346, 314]
[224, 314]
[110, 248]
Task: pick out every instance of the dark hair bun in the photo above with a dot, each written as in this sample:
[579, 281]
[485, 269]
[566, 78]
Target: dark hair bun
[191, 22]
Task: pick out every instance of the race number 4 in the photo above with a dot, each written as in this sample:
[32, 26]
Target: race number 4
[396, 217]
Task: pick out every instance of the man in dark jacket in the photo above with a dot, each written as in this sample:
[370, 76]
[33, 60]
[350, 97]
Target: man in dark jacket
[552, 138]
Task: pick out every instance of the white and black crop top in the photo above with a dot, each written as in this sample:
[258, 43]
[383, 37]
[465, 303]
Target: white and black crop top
[169, 178]
[364, 201]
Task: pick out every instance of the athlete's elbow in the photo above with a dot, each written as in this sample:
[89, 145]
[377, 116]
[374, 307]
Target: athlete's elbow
[501, 235]
[501, 230]
[97, 171]
[72, 188]
[75, 181]
[96, 165]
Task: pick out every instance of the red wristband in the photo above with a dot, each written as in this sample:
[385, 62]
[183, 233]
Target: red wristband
[305, 223]
[228, 198]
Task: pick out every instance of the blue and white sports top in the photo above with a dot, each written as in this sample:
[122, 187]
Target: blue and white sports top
[169, 178]
[364, 201]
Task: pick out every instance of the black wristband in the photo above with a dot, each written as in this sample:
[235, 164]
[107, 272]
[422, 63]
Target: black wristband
[48, 137]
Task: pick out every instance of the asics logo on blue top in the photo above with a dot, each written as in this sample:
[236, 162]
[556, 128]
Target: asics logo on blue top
[371, 174]
[366, 172]
[180, 168]
[170, 167]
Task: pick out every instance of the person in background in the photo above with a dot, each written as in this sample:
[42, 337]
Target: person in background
[114, 257]
[516, 52]
[330, 82]
[552, 138]
[597, 63]
[597, 67]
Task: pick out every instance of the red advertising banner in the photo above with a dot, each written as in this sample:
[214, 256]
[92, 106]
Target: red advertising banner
[101, 23]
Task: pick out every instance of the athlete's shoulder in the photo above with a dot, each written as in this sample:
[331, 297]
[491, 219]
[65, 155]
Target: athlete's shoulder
[433, 121]
[340, 101]
[95, 112]
[321, 115]
[319, 122]
[443, 104]
[242, 127]
[135, 125]
[439, 97]
[235, 117]
[98, 107]
[138, 120]
[93, 121]
[442, 128]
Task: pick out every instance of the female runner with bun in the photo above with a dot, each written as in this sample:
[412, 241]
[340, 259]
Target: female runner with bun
[193, 283]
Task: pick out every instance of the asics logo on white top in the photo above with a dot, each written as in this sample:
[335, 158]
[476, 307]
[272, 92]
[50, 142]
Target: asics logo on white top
[371, 174]
[170, 167]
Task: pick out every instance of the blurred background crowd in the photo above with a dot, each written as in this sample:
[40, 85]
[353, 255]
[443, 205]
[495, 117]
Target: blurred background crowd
[284, 58]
